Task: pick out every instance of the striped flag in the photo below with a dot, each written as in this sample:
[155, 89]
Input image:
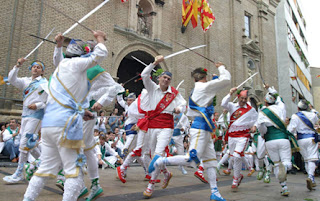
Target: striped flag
[124, 1]
[318, 76]
[293, 78]
[192, 9]
[206, 15]
[188, 9]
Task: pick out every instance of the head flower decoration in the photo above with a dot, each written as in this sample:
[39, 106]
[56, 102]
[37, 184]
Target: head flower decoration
[205, 70]
[86, 48]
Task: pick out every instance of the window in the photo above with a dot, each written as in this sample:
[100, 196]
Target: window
[247, 25]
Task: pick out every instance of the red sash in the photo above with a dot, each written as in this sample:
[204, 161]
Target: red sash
[236, 115]
[154, 118]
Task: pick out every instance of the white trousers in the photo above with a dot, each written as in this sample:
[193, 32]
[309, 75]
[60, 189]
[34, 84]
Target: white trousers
[308, 149]
[261, 148]
[178, 140]
[237, 145]
[131, 142]
[279, 151]
[159, 138]
[53, 155]
[88, 137]
[201, 141]
[29, 125]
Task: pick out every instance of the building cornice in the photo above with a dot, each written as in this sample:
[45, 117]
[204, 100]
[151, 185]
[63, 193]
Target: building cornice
[132, 35]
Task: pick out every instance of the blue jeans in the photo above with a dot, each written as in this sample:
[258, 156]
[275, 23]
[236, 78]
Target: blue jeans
[10, 149]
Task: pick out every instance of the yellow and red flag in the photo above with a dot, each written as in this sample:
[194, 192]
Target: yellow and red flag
[192, 9]
[188, 9]
[293, 78]
[318, 76]
[206, 15]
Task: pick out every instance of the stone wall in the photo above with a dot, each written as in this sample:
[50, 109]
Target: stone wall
[225, 40]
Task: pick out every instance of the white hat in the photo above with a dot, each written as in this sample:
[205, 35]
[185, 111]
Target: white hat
[303, 105]
[131, 95]
[270, 98]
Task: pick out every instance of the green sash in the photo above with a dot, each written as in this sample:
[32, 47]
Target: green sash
[280, 131]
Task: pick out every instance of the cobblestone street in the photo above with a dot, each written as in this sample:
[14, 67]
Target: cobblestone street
[181, 187]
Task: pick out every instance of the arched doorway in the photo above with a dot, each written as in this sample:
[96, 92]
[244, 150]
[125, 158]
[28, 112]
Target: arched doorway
[130, 68]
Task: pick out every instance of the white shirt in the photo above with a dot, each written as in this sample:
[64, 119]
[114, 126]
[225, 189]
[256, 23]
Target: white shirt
[103, 124]
[279, 108]
[24, 82]
[155, 94]
[103, 87]
[183, 122]
[7, 136]
[73, 71]
[122, 103]
[230, 106]
[119, 144]
[108, 149]
[204, 92]
[297, 125]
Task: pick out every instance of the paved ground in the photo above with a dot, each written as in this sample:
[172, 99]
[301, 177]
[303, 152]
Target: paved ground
[181, 187]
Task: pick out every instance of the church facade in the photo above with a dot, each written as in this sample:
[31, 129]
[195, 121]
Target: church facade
[242, 37]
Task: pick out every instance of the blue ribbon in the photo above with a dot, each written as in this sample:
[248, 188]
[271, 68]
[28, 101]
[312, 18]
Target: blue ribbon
[204, 122]
[194, 157]
[305, 136]
[31, 140]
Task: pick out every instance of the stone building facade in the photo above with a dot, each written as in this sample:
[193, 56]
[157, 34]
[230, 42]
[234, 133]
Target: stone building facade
[292, 46]
[242, 37]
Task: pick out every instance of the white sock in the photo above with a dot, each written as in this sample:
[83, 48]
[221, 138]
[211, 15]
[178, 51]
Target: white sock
[35, 186]
[231, 162]
[284, 185]
[276, 170]
[212, 177]
[127, 161]
[92, 162]
[237, 167]
[311, 168]
[72, 188]
[154, 176]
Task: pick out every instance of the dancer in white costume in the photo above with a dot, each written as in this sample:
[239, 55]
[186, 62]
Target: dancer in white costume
[34, 102]
[164, 100]
[201, 108]
[137, 142]
[242, 118]
[68, 89]
[302, 123]
[181, 124]
[129, 125]
[102, 92]
[271, 126]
